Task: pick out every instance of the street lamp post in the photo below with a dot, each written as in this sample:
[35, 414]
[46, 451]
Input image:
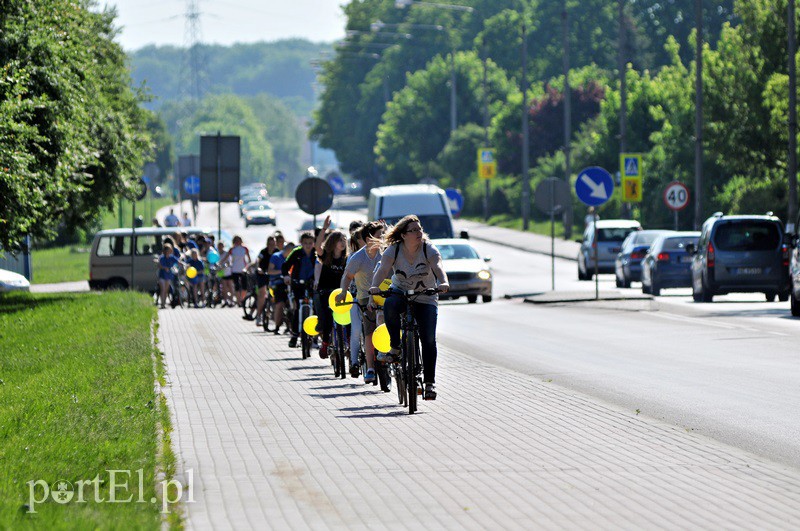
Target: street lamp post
[792, 169]
[526, 178]
[402, 4]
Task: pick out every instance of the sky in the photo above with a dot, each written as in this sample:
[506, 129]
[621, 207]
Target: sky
[160, 22]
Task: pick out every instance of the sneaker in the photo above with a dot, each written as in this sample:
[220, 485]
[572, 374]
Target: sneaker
[430, 392]
[293, 342]
[163, 306]
[354, 371]
[276, 332]
[323, 350]
[388, 357]
[370, 376]
[259, 321]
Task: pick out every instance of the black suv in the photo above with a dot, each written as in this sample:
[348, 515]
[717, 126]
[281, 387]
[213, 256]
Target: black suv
[740, 254]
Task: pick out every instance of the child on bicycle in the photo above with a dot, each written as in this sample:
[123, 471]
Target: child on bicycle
[416, 265]
[299, 266]
[327, 277]
[198, 281]
[166, 262]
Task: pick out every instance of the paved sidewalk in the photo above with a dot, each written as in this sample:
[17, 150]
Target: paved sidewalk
[275, 442]
[61, 287]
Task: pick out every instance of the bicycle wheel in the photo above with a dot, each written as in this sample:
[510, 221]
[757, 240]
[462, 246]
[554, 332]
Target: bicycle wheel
[250, 307]
[341, 352]
[384, 378]
[305, 339]
[267, 314]
[409, 354]
[183, 295]
[400, 383]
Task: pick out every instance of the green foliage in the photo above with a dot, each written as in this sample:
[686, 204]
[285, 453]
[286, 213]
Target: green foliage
[72, 133]
[281, 69]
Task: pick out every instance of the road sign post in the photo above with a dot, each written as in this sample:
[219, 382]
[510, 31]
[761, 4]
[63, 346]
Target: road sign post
[552, 197]
[676, 197]
[487, 170]
[594, 187]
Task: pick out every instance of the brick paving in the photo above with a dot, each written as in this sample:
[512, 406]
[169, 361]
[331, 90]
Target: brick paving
[275, 442]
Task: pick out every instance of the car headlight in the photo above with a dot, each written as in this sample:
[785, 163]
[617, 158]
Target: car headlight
[249, 217]
[484, 275]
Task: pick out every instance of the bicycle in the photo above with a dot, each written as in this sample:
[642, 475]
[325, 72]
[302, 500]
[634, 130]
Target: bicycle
[340, 350]
[305, 310]
[250, 303]
[408, 369]
[213, 287]
[384, 377]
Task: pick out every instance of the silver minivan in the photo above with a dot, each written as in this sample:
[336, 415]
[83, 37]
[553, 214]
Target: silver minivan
[112, 266]
[740, 254]
[607, 239]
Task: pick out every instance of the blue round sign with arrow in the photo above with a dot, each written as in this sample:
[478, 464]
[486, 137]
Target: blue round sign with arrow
[455, 200]
[191, 185]
[594, 186]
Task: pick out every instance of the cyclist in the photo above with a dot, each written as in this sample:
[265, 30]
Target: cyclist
[261, 266]
[299, 265]
[276, 283]
[416, 265]
[166, 262]
[227, 289]
[240, 257]
[328, 273]
[197, 283]
[361, 267]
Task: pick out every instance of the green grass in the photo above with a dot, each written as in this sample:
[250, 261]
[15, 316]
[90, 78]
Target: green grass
[61, 264]
[77, 399]
[146, 208]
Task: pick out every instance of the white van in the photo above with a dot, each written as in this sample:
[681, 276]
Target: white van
[426, 201]
[111, 264]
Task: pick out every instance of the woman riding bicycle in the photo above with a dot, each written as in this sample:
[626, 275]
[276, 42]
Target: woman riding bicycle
[361, 267]
[416, 265]
[327, 277]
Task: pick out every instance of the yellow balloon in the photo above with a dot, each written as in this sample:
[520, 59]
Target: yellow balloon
[380, 338]
[342, 318]
[348, 302]
[271, 293]
[310, 325]
[387, 282]
[191, 272]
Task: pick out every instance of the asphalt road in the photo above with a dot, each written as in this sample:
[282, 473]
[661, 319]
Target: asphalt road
[729, 370]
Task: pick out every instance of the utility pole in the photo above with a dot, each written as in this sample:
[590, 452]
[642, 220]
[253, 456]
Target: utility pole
[698, 117]
[568, 214]
[792, 211]
[485, 125]
[193, 64]
[526, 178]
[623, 91]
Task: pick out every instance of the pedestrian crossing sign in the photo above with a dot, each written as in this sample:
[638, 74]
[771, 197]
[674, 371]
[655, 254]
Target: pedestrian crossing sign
[630, 168]
[487, 165]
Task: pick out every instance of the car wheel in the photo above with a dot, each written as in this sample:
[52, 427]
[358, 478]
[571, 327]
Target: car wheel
[645, 288]
[706, 294]
[783, 296]
[795, 304]
[581, 276]
[487, 298]
[116, 284]
[770, 296]
[472, 299]
[619, 283]
[655, 290]
[626, 283]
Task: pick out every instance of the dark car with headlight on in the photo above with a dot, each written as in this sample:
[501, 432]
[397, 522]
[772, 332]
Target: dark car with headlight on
[259, 213]
[468, 273]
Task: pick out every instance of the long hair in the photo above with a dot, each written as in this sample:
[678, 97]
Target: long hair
[395, 233]
[329, 246]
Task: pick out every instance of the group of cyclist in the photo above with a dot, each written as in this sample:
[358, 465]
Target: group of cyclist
[323, 262]
[327, 261]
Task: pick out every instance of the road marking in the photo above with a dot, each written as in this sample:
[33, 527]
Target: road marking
[695, 320]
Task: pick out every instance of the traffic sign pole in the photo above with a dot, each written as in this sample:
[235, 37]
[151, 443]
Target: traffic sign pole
[594, 187]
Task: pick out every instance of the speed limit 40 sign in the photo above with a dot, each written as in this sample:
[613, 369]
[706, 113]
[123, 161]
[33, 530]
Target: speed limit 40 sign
[676, 196]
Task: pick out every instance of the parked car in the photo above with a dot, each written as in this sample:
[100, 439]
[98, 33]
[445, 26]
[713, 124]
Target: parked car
[11, 281]
[738, 254]
[667, 263]
[628, 265]
[259, 213]
[794, 271]
[468, 273]
[608, 241]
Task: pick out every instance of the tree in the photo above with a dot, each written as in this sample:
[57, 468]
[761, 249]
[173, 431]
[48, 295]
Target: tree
[72, 133]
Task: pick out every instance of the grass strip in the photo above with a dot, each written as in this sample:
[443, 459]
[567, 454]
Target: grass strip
[61, 264]
[77, 400]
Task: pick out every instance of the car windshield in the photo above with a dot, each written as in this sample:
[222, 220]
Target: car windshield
[457, 252]
[747, 236]
[645, 238]
[613, 234]
[676, 244]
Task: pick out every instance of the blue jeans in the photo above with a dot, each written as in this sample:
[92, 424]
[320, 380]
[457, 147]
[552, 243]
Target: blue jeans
[426, 316]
